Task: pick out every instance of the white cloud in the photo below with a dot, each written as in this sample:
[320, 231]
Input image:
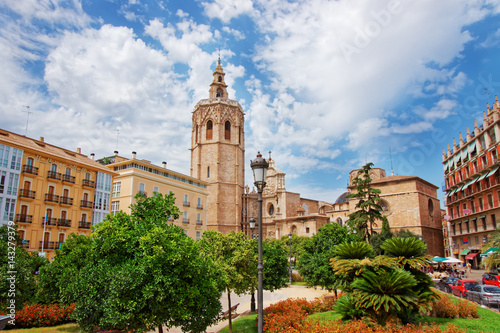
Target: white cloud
[238, 35]
[225, 10]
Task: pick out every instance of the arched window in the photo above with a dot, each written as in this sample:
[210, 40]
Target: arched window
[227, 130]
[339, 221]
[209, 130]
[219, 79]
[196, 135]
[430, 205]
[218, 93]
[29, 161]
[271, 210]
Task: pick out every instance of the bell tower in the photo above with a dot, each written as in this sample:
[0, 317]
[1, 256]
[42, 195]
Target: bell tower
[217, 154]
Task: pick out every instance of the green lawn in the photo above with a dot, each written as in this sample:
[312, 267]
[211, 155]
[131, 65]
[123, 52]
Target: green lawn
[70, 328]
[243, 324]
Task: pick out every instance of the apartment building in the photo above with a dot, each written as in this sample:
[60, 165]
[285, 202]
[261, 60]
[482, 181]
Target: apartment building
[48, 191]
[136, 176]
[473, 186]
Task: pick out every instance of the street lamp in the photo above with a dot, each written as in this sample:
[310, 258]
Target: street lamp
[252, 225]
[290, 257]
[259, 167]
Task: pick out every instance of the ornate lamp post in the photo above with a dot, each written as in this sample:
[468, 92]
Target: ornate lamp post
[259, 167]
[290, 257]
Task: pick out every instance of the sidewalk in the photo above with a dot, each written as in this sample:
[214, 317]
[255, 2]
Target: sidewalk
[269, 298]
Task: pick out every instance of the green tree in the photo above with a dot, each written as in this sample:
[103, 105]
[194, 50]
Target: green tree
[18, 267]
[144, 272]
[492, 261]
[297, 245]
[56, 279]
[275, 262]
[314, 264]
[368, 205]
[377, 239]
[235, 255]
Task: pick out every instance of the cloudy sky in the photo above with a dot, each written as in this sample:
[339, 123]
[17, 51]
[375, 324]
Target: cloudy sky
[325, 85]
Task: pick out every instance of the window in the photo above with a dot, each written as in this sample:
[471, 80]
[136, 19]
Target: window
[307, 230]
[209, 130]
[68, 171]
[339, 221]
[115, 207]
[186, 200]
[185, 217]
[219, 79]
[472, 206]
[2, 181]
[218, 93]
[53, 168]
[4, 155]
[156, 190]
[199, 204]
[227, 130]
[490, 201]
[16, 159]
[142, 188]
[87, 176]
[474, 224]
[493, 221]
[477, 240]
[198, 235]
[116, 189]
[198, 218]
[483, 220]
[84, 218]
[481, 204]
[271, 210]
[10, 205]
[13, 183]
[208, 172]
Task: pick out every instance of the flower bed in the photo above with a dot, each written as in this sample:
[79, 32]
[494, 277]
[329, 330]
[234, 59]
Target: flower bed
[37, 315]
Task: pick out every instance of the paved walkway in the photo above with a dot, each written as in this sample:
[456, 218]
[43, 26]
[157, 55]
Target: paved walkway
[269, 298]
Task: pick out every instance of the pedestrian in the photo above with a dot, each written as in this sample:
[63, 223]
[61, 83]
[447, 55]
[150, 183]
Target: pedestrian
[469, 266]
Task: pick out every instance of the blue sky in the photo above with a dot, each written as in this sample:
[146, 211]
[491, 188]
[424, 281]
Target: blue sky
[325, 85]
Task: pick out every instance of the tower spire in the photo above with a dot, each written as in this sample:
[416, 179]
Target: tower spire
[218, 88]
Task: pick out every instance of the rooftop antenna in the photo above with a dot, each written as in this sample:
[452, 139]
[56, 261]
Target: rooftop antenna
[117, 134]
[390, 155]
[219, 55]
[28, 118]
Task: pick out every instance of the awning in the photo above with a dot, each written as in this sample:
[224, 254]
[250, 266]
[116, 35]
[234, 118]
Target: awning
[471, 147]
[471, 256]
[475, 180]
[492, 171]
[439, 259]
[489, 251]
[480, 178]
[465, 252]
[464, 154]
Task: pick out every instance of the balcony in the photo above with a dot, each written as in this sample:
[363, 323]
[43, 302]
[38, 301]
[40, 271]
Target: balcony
[84, 225]
[184, 220]
[50, 245]
[23, 218]
[26, 194]
[186, 204]
[30, 169]
[50, 221]
[200, 206]
[51, 198]
[86, 204]
[54, 175]
[199, 222]
[64, 223]
[66, 201]
[88, 183]
[68, 178]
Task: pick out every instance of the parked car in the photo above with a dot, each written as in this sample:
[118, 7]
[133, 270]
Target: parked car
[444, 284]
[484, 294]
[487, 275]
[459, 287]
[493, 280]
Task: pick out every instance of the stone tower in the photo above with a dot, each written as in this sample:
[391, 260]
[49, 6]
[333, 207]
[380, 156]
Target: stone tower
[217, 154]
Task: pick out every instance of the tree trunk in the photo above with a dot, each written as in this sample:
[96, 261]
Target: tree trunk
[229, 311]
[160, 328]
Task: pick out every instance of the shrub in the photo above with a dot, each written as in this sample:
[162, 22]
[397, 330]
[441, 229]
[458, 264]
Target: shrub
[445, 308]
[347, 307]
[36, 315]
[296, 277]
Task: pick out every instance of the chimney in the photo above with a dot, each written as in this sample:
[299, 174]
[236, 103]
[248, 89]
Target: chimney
[41, 138]
[92, 156]
[133, 155]
[164, 164]
[79, 150]
[116, 153]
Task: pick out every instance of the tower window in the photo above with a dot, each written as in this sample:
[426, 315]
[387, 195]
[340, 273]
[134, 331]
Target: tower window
[218, 93]
[219, 79]
[227, 130]
[209, 130]
[208, 172]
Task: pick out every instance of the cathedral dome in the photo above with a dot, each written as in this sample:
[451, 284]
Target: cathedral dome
[342, 198]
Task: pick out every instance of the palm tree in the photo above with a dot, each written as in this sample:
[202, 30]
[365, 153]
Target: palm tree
[385, 293]
[493, 260]
[409, 252]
